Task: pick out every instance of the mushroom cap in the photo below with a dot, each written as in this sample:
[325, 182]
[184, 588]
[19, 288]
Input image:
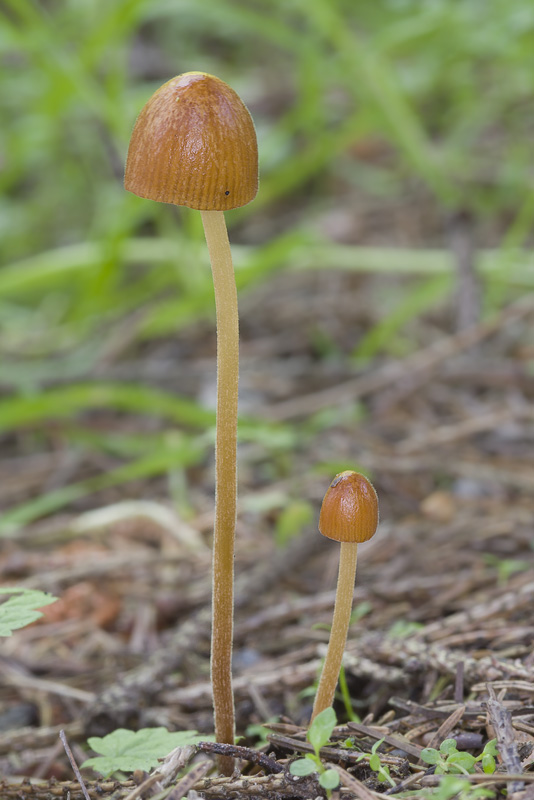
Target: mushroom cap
[194, 144]
[349, 512]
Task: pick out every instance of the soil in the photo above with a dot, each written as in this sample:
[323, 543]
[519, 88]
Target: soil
[442, 640]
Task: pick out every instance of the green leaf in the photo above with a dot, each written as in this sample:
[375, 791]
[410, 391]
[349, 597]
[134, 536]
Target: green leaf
[321, 729]
[449, 787]
[430, 756]
[417, 300]
[291, 521]
[302, 767]
[360, 611]
[464, 761]
[65, 401]
[488, 764]
[384, 776]
[374, 762]
[127, 751]
[401, 629]
[329, 779]
[376, 745]
[183, 451]
[20, 609]
[448, 746]
[491, 748]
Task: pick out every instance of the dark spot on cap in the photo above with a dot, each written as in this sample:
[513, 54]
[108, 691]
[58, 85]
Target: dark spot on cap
[227, 192]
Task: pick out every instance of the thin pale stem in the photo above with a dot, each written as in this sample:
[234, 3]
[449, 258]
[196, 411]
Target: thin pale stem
[340, 626]
[225, 478]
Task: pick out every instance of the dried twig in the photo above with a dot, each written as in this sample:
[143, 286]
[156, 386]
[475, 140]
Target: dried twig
[502, 725]
[357, 787]
[447, 726]
[144, 786]
[406, 375]
[73, 764]
[124, 699]
[246, 753]
[188, 781]
[399, 742]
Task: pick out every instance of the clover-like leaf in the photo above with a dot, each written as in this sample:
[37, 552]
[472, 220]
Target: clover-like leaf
[127, 751]
[21, 608]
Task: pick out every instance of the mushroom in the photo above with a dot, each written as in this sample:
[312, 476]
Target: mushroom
[194, 144]
[349, 514]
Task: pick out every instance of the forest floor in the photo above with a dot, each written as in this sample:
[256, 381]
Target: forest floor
[442, 640]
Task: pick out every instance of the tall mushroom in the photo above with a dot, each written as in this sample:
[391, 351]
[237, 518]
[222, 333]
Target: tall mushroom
[194, 144]
[349, 514]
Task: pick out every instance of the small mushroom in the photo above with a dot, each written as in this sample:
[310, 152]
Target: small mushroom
[349, 514]
[194, 144]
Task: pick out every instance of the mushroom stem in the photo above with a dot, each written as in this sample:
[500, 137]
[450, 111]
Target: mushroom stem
[225, 477]
[340, 626]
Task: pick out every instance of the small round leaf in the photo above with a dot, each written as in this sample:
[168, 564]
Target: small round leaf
[491, 748]
[329, 779]
[430, 756]
[302, 767]
[464, 760]
[488, 764]
[374, 762]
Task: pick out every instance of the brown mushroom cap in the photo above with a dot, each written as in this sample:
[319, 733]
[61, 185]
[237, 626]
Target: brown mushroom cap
[349, 512]
[194, 144]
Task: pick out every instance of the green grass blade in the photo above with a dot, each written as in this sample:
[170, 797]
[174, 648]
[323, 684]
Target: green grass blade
[186, 453]
[64, 402]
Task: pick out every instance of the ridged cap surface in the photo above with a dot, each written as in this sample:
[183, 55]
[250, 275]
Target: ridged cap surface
[349, 512]
[194, 144]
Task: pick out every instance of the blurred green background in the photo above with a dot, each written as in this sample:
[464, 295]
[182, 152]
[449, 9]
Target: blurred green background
[379, 125]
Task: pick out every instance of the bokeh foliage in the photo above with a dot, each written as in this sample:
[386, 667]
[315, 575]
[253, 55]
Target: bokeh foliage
[443, 89]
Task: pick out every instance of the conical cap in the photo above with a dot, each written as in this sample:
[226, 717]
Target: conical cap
[194, 144]
[349, 512]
